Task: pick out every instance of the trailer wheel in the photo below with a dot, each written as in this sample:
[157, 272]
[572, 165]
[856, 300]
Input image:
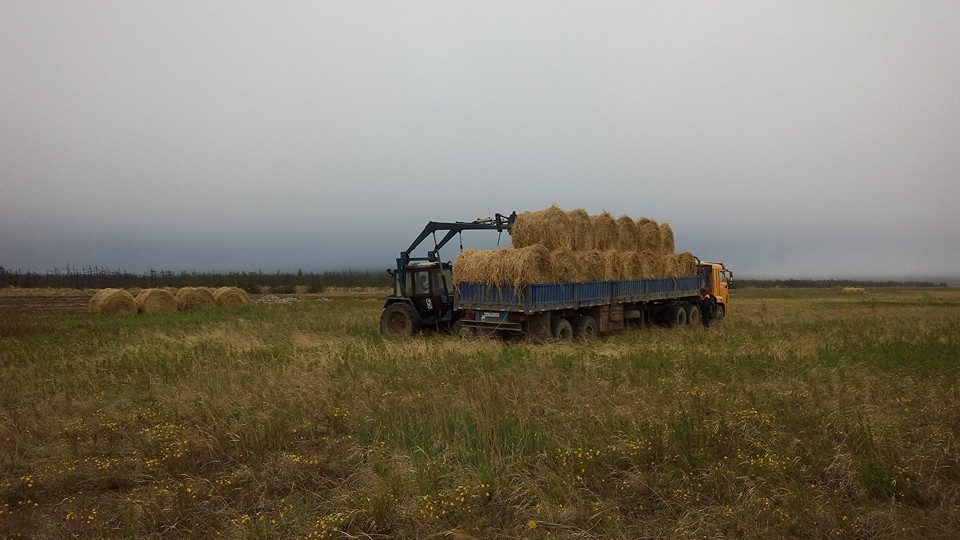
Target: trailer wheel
[562, 330]
[676, 316]
[586, 328]
[693, 314]
[460, 330]
[399, 320]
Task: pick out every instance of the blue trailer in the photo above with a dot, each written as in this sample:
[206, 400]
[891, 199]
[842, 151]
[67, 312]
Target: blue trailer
[582, 309]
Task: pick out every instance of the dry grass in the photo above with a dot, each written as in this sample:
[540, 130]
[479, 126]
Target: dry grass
[807, 414]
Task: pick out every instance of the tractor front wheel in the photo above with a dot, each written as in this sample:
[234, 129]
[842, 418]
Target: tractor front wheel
[399, 320]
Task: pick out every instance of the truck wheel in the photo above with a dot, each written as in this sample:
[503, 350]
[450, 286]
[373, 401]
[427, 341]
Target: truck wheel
[399, 320]
[676, 316]
[562, 330]
[693, 314]
[720, 314]
[586, 328]
[460, 330]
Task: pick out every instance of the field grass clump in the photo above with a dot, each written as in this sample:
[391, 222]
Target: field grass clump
[806, 414]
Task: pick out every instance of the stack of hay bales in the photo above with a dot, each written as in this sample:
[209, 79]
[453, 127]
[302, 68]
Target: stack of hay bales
[555, 246]
[113, 302]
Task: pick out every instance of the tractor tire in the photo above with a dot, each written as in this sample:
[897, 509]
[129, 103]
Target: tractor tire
[586, 328]
[562, 330]
[693, 314]
[676, 316]
[399, 320]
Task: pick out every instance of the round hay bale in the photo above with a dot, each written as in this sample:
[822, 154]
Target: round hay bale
[649, 235]
[473, 265]
[627, 234]
[582, 229]
[550, 227]
[605, 233]
[613, 265]
[564, 266]
[666, 238]
[525, 266]
[686, 263]
[189, 298]
[113, 302]
[653, 263]
[670, 267]
[633, 265]
[593, 267]
[156, 301]
[230, 296]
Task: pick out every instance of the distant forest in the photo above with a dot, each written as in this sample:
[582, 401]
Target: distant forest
[95, 277]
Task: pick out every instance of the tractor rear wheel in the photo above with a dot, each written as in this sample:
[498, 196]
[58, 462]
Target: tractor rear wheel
[399, 320]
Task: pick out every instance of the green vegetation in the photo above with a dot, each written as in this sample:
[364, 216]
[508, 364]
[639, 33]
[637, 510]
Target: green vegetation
[806, 414]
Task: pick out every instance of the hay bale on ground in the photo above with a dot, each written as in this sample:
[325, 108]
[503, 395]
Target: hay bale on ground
[156, 301]
[582, 230]
[551, 228]
[605, 233]
[853, 290]
[189, 298]
[666, 238]
[230, 296]
[113, 302]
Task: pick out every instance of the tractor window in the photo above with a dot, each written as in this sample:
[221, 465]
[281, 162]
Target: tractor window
[421, 283]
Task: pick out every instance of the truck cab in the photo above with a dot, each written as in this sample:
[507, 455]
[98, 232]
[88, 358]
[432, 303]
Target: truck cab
[717, 280]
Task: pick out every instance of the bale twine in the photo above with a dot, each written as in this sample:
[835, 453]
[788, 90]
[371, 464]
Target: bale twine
[551, 228]
[666, 238]
[605, 234]
[582, 230]
[156, 301]
[564, 266]
[113, 302]
[649, 233]
[189, 298]
[230, 296]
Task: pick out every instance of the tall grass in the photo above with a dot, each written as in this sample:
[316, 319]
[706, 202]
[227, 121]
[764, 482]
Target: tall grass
[803, 415]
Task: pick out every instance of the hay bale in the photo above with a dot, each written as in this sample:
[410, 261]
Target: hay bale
[853, 290]
[189, 298]
[653, 263]
[551, 228]
[593, 267]
[627, 238]
[632, 264]
[613, 265]
[513, 266]
[671, 266]
[564, 266]
[666, 238]
[648, 233]
[230, 296]
[113, 302]
[582, 229]
[605, 233]
[686, 264]
[156, 301]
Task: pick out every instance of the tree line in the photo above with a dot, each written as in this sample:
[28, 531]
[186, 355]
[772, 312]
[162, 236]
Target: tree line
[97, 277]
[825, 283]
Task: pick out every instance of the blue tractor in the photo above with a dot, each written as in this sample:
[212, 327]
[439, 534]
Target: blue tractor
[423, 296]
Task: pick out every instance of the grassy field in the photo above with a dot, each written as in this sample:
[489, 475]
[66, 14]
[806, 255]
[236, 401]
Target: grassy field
[807, 414]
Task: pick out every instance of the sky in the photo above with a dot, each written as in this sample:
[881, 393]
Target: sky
[787, 139]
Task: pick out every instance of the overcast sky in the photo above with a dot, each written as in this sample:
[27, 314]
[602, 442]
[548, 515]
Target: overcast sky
[786, 139]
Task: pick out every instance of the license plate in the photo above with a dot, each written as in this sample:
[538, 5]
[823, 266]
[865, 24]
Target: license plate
[490, 315]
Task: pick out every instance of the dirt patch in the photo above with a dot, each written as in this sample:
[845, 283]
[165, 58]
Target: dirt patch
[41, 305]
